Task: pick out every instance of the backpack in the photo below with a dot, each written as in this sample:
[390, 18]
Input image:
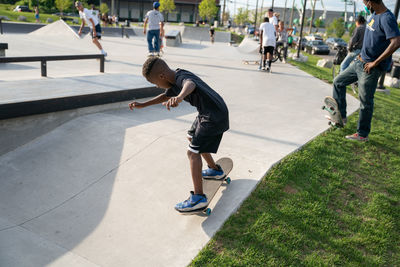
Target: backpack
[340, 55]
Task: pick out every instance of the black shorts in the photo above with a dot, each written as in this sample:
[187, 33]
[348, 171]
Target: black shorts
[98, 32]
[268, 49]
[202, 143]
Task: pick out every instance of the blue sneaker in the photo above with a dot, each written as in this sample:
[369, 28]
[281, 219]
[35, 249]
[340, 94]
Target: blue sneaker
[213, 174]
[194, 202]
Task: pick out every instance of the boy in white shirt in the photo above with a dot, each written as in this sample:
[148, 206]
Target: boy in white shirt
[94, 25]
[267, 42]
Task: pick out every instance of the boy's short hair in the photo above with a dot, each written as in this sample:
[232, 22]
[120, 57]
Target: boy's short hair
[266, 19]
[148, 66]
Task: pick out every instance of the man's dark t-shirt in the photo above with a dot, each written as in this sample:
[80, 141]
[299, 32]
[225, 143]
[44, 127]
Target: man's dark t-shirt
[213, 112]
[379, 30]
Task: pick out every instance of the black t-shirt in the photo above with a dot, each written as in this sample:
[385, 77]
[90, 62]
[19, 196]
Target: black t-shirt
[213, 112]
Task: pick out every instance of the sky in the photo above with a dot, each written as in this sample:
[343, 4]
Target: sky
[336, 5]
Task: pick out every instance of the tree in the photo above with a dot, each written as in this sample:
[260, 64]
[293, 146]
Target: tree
[208, 9]
[242, 16]
[63, 5]
[318, 23]
[226, 16]
[336, 27]
[104, 8]
[167, 6]
[352, 28]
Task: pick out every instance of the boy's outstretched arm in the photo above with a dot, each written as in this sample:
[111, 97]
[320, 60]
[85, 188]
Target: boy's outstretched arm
[156, 100]
[187, 88]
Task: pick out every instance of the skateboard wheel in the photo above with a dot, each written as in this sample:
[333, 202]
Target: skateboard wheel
[228, 180]
[334, 113]
[330, 123]
[323, 107]
[208, 211]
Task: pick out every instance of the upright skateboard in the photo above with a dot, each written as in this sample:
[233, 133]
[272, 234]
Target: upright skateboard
[334, 117]
[211, 186]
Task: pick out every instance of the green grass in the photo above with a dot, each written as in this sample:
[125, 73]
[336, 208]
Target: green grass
[334, 202]
[7, 10]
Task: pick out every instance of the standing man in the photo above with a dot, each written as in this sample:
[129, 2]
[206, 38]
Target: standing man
[355, 43]
[382, 38]
[272, 19]
[93, 22]
[267, 42]
[156, 29]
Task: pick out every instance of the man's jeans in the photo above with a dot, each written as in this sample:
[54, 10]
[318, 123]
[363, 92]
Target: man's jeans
[348, 59]
[153, 35]
[366, 89]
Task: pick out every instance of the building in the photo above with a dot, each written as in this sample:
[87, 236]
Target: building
[135, 10]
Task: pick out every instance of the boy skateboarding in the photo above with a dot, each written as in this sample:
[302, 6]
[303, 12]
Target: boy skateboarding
[206, 132]
[94, 25]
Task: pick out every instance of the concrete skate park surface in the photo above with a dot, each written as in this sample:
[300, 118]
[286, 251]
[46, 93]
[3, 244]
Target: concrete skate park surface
[190, 33]
[99, 189]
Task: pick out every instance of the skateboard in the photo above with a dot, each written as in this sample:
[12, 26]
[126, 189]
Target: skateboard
[248, 62]
[211, 186]
[330, 105]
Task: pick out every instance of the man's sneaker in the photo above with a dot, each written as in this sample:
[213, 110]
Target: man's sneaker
[344, 121]
[263, 68]
[357, 137]
[284, 61]
[194, 202]
[151, 54]
[213, 174]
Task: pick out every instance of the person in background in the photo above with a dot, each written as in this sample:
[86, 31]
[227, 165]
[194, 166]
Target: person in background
[155, 20]
[272, 19]
[37, 14]
[212, 34]
[267, 43]
[355, 44]
[381, 39]
[93, 23]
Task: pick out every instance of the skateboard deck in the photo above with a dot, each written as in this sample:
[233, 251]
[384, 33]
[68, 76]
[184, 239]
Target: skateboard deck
[334, 117]
[248, 62]
[211, 186]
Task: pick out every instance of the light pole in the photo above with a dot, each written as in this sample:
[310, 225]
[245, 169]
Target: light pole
[291, 16]
[301, 29]
[396, 9]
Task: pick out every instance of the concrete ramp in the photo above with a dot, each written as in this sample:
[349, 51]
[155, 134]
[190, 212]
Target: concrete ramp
[199, 33]
[249, 46]
[58, 28]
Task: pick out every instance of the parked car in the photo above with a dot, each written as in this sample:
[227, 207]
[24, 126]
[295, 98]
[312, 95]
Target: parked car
[313, 37]
[250, 30]
[296, 42]
[22, 9]
[334, 43]
[396, 56]
[316, 47]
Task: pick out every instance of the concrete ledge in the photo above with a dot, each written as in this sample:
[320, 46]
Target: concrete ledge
[19, 109]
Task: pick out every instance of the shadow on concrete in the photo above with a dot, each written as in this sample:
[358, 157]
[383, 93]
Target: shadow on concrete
[65, 180]
[15, 66]
[275, 140]
[192, 46]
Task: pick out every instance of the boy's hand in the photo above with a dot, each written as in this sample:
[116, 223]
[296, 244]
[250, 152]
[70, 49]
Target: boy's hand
[135, 104]
[172, 102]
